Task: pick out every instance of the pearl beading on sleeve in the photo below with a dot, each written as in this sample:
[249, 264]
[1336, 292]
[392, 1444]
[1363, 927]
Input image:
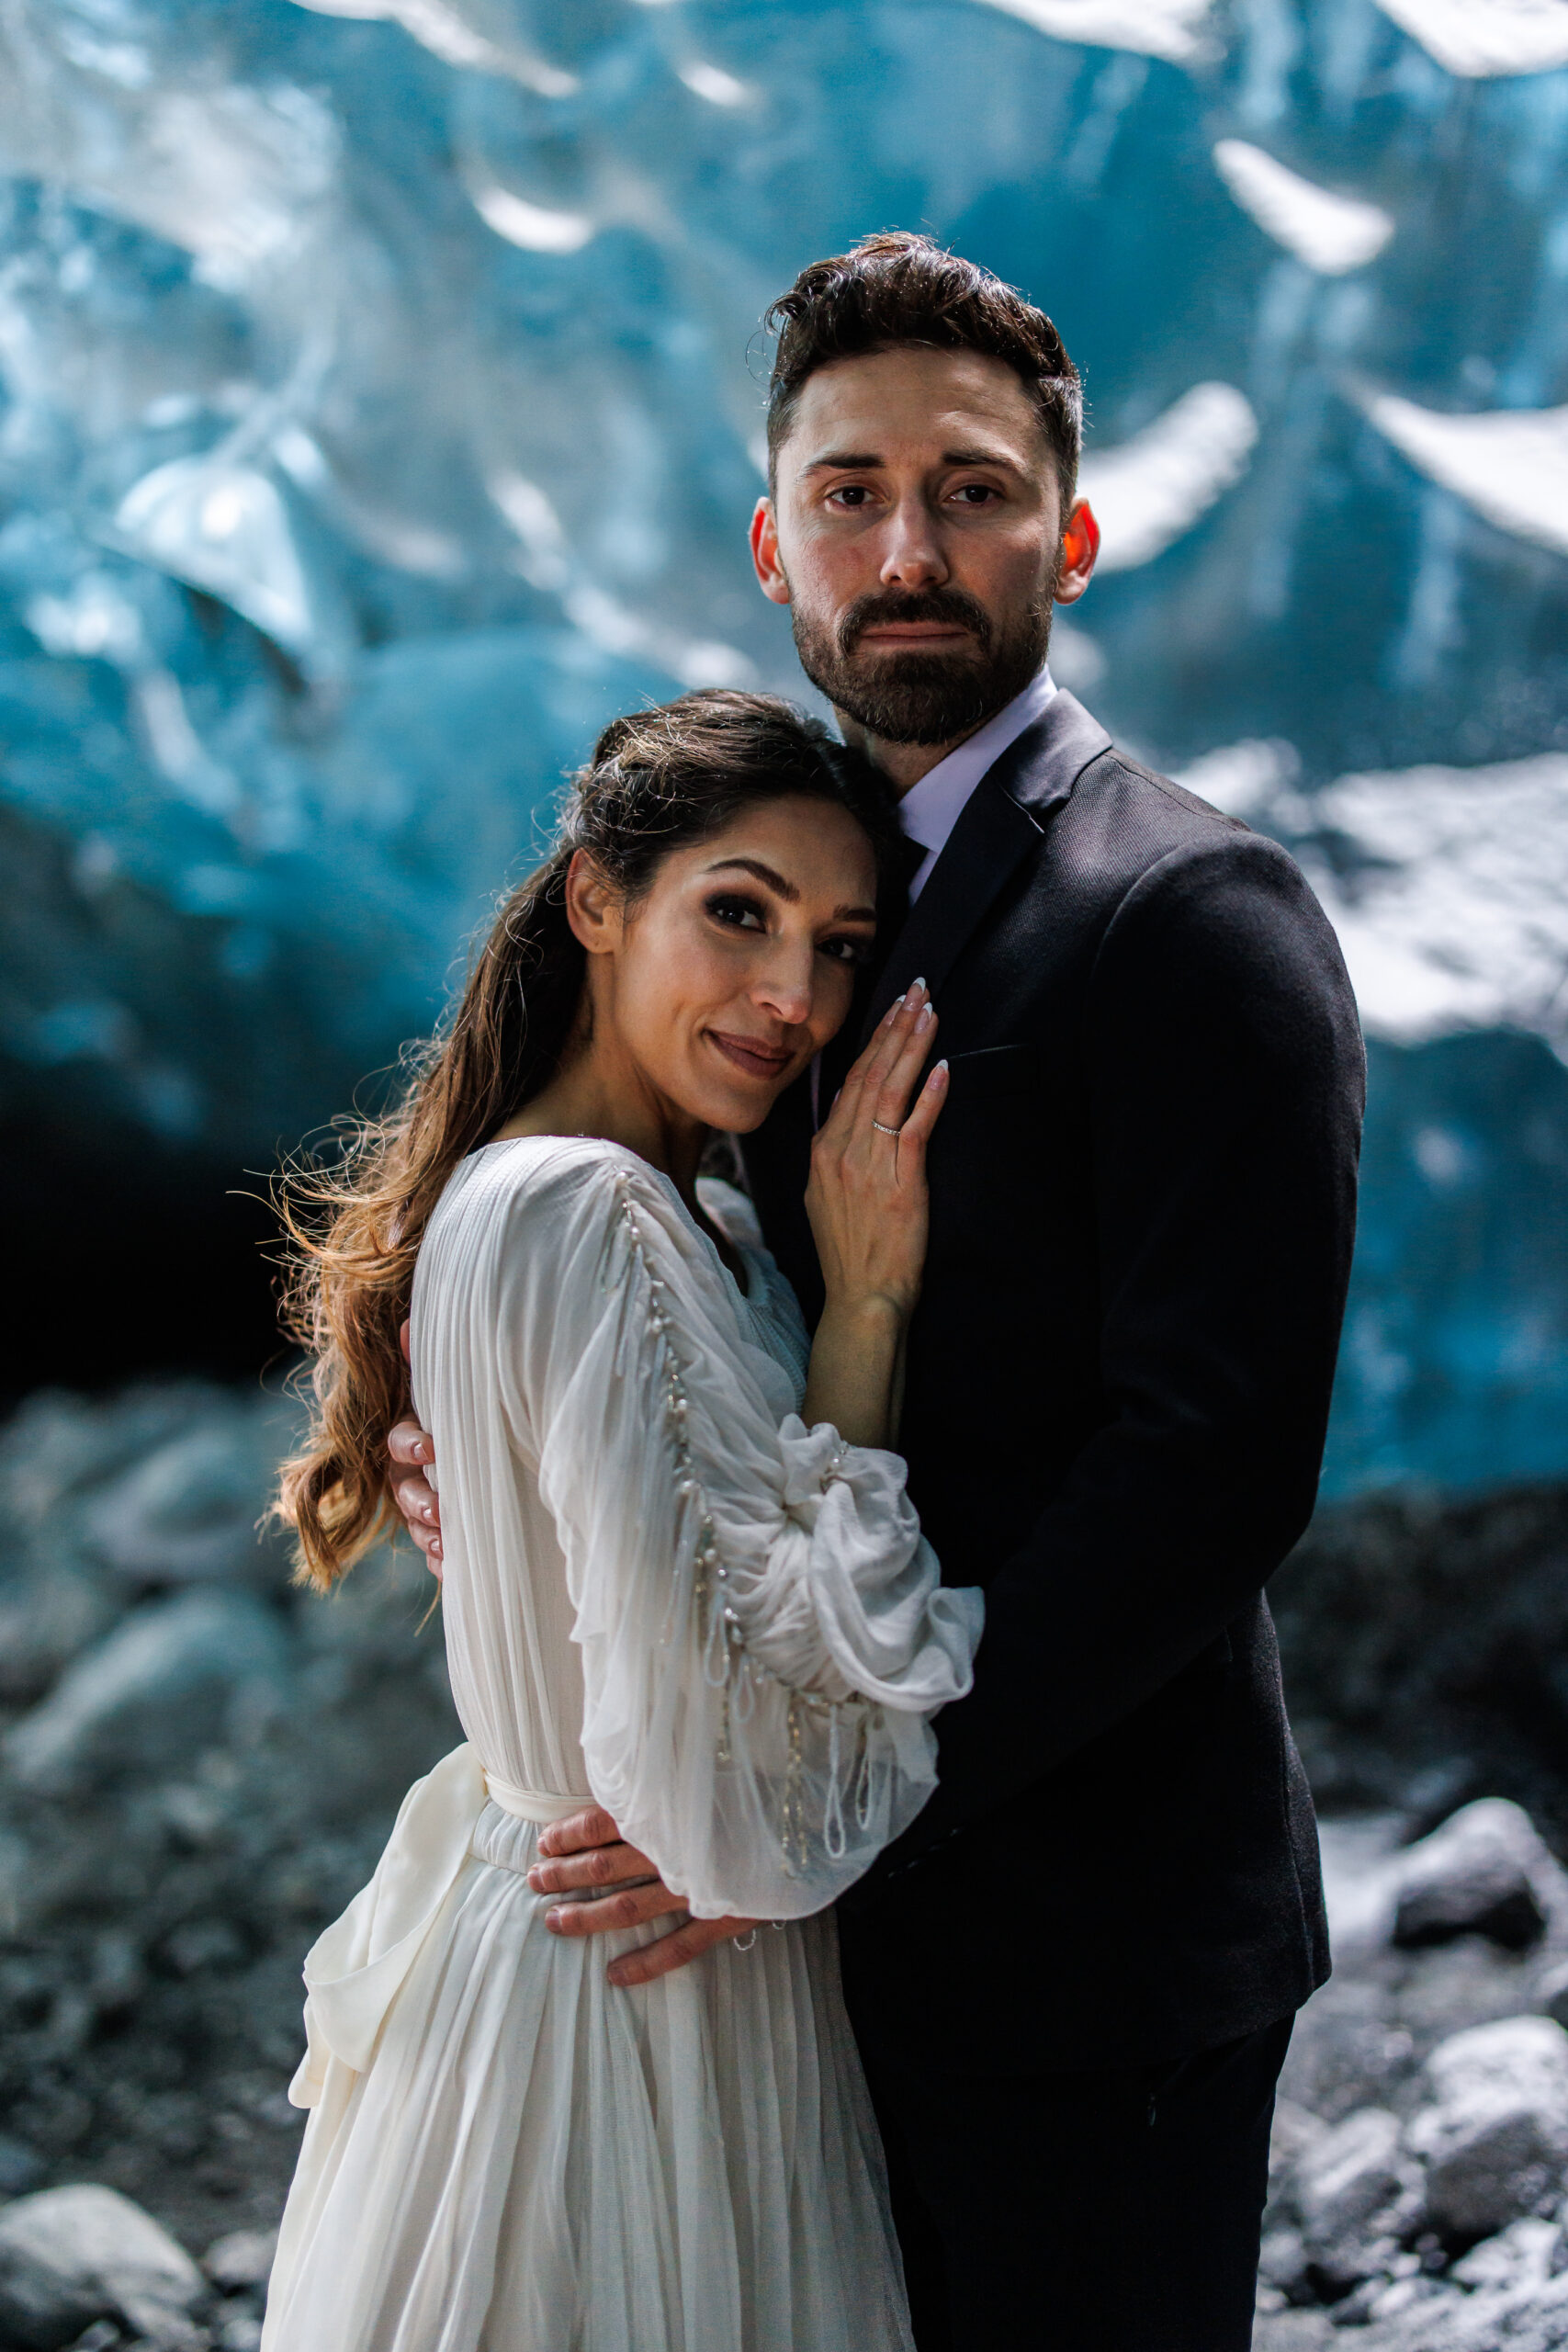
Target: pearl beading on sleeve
[727, 1663]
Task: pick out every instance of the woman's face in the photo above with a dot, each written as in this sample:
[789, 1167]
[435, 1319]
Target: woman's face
[716, 990]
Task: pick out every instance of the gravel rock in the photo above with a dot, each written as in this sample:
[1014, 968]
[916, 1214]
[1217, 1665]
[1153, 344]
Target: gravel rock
[1493, 2130]
[1528, 2320]
[47, 1618]
[69, 2256]
[1524, 2255]
[1355, 2195]
[172, 1677]
[1481, 1873]
[187, 1514]
[242, 2258]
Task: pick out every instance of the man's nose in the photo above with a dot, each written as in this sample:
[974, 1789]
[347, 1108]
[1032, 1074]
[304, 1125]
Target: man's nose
[912, 556]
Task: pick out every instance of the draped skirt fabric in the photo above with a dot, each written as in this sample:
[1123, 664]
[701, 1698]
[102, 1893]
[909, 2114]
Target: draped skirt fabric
[535, 2160]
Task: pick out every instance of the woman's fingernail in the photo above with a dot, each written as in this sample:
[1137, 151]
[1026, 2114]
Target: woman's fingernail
[917, 988]
[938, 1076]
[927, 1017]
[892, 1013]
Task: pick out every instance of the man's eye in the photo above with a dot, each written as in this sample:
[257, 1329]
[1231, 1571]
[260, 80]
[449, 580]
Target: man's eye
[850, 493]
[976, 493]
[737, 914]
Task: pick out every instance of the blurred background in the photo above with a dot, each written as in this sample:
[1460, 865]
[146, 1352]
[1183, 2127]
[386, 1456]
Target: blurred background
[381, 392]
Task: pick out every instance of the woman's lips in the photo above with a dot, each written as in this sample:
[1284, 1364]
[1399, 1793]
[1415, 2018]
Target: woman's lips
[748, 1054]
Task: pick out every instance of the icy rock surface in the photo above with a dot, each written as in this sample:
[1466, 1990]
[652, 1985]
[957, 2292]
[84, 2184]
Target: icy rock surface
[156, 1903]
[69, 2257]
[1481, 1873]
[1493, 2134]
[380, 410]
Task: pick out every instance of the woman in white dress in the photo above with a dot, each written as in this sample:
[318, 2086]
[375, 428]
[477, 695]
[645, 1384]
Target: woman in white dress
[681, 1581]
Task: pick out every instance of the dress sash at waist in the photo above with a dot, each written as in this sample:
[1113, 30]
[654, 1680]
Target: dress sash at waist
[355, 1968]
[531, 1804]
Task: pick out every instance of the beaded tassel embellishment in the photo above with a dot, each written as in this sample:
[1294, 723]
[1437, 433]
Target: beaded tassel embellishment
[728, 1666]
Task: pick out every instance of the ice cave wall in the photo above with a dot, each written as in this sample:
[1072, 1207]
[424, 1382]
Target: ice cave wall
[381, 394]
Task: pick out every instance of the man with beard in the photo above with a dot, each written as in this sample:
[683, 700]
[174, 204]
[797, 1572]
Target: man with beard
[1073, 1978]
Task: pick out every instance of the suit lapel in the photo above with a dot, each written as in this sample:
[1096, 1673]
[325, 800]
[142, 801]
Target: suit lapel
[1001, 822]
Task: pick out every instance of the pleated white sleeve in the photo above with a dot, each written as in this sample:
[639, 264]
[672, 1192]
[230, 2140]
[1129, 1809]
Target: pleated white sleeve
[763, 1634]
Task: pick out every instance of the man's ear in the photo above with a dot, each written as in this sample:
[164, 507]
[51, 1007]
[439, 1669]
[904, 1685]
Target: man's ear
[1080, 546]
[765, 553]
[592, 907]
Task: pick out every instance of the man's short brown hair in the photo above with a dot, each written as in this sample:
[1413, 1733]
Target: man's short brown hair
[898, 289]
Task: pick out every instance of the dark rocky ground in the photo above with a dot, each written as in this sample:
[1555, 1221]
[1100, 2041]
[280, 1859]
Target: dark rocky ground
[198, 1766]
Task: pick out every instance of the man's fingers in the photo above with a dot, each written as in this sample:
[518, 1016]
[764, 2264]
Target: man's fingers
[600, 1866]
[409, 1443]
[629, 1906]
[591, 1826]
[674, 1951]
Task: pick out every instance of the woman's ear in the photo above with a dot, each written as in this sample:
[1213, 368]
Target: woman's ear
[592, 907]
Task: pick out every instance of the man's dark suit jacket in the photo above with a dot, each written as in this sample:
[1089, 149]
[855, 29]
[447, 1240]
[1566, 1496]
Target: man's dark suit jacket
[1143, 1202]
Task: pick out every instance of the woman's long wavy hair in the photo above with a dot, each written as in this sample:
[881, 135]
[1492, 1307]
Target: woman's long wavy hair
[658, 781]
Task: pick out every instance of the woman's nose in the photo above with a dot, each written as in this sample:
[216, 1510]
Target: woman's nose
[784, 990]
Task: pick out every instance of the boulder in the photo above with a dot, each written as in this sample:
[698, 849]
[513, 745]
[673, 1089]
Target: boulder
[1492, 2132]
[242, 2258]
[1524, 2255]
[46, 1620]
[1553, 1992]
[172, 1677]
[1481, 1873]
[1355, 2193]
[188, 1512]
[69, 2257]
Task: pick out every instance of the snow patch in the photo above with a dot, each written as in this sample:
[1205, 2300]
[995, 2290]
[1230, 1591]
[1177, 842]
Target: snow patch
[1458, 919]
[532, 226]
[1511, 465]
[1447, 887]
[1150, 490]
[453, 33]
[1331, 234]
[1482, 37]
[1175, 29]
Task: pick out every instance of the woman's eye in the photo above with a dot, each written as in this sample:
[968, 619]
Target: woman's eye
[737, 914]
[847, 951]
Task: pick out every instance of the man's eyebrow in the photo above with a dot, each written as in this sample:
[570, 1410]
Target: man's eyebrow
[978, 456]
[859, 461]
[846, 461]
[786, 890]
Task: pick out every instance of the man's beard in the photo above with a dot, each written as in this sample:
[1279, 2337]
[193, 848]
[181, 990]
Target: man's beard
[917, 697]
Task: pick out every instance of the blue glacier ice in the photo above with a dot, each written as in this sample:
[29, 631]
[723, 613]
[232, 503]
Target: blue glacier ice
[380, 399]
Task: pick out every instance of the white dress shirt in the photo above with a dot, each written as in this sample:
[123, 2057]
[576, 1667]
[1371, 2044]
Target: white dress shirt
[930, 808]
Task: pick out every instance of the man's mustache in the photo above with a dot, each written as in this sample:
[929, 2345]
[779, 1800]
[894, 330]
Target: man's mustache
[948, 605]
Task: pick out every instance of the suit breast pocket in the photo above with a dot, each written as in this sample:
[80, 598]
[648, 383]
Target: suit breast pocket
[992, 1075]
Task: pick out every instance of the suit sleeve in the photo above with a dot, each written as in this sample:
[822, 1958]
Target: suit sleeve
[1226, 1079]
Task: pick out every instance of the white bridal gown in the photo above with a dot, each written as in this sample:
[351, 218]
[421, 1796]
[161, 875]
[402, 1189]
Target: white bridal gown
[662, 1591]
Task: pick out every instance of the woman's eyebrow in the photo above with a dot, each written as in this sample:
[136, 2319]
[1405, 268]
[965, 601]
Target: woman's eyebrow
[763, 873]
[786, 890]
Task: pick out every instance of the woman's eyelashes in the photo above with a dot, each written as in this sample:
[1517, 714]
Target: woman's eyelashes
[738, 913]
[735, 911]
